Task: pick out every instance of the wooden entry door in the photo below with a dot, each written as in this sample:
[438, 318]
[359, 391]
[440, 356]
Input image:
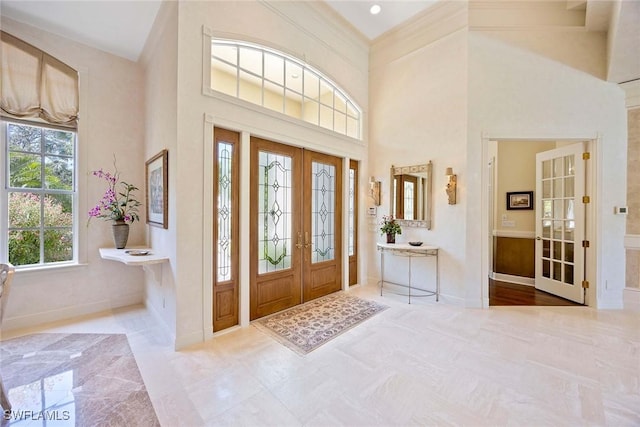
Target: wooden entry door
[296, 226]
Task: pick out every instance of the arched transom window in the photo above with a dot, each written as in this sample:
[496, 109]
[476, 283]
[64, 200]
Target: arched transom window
[282, 83]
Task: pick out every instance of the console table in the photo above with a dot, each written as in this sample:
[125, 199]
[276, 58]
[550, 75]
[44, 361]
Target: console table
[409, 251]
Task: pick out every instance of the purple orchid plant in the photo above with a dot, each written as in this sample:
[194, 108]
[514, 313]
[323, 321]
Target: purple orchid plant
[116, 205]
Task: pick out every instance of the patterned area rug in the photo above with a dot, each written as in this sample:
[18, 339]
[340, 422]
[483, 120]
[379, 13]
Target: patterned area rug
[74, 379]
[306, 327]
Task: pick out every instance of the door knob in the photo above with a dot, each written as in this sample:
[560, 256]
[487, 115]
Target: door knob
[538, 238]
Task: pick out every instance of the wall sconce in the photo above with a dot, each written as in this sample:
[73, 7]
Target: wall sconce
[451, 185]
[374, 190]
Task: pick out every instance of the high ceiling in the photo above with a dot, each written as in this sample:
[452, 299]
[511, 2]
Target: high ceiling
[122, 27]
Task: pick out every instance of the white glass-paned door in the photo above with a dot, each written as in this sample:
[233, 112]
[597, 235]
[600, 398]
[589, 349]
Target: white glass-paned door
[560, 222]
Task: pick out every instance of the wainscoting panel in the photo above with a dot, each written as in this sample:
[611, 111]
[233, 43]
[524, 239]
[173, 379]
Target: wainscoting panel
[514, 256]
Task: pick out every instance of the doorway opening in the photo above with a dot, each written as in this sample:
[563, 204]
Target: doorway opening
[539, 222]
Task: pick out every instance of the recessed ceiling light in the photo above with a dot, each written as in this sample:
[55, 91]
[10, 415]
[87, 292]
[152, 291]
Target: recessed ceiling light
[375, 9]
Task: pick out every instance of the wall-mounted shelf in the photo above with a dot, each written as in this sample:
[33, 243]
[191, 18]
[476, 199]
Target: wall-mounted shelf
[144, 261]
[122, 256]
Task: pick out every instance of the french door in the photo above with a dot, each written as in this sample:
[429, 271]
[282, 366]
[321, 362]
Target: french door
[560, 222]
[296, 226]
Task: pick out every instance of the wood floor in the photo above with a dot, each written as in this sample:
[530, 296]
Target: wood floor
[503, 293]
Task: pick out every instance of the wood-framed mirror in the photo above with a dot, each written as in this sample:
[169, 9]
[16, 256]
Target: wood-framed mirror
[410, 194]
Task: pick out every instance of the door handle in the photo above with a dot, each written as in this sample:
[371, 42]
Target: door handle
[306, 239]
[538, 238]
[299, 244]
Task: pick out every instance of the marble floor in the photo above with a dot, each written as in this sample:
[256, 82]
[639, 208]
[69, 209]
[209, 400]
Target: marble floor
[422, 364]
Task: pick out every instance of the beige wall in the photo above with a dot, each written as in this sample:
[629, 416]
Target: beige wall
[514, 93]
[419, 113]
[111, 123]
[516, 171]
[159, 62]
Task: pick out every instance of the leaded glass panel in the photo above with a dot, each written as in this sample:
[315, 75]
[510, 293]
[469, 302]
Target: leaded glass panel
[225, 156]
[323, 192]
[352, 209]
[274, 212]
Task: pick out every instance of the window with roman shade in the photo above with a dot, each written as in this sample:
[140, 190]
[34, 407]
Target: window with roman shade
[38, 141]
[36, 86]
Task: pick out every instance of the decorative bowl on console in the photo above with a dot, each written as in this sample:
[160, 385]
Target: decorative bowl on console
[415, 243]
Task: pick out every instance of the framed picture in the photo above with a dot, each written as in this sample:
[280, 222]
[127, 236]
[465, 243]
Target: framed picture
[520, 200]
[157, 197]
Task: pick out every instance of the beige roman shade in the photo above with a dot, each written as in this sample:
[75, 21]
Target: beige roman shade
[35, 85]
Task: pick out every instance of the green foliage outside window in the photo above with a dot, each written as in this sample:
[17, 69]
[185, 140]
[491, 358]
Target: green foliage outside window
[40, 194]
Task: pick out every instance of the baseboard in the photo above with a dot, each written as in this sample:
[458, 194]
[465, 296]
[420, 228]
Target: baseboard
[518, 280]
[42, 318]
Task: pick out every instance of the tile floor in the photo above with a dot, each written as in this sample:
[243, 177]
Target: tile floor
[422, 364]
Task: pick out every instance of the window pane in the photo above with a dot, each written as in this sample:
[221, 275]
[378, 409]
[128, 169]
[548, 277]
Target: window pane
[274, 68]
[24, 247]
[58, 142]
[24, 210]
[225, 52]
[251, 60]
[224, 77]
[568, 274]
[311, 111]
[59, 173]
[569, 165]
[558, 167]
[293, 104]
[250, 88]
[352, 112]
[569, 187]
[294, 77]
[24, 170]
[546, 169]
[311, 85]
[58, 210]
[352, 127]
[326, 117]
[58, 245]
[326, 93]
[568, 252]
[546, 189]
[24, 138]
[557, 250]
[273, 97]
[340, 123]
[340, 103]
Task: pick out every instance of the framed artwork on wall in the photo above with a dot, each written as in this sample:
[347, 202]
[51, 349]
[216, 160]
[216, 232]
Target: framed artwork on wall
[519, 200]
[157, 195]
